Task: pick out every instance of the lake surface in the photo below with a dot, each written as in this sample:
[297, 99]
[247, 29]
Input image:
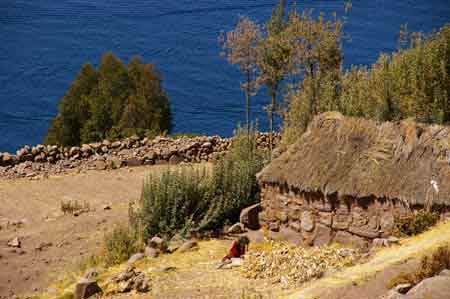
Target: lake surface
[45, 42]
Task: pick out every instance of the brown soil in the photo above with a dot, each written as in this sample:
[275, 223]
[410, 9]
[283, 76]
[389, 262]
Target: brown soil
[37, 204]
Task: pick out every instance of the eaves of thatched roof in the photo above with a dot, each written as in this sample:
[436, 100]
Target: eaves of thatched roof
[357, 157]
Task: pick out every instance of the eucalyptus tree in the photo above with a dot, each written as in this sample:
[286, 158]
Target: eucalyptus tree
[240, 48]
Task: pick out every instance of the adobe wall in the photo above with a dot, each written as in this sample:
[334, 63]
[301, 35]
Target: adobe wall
[312, 219]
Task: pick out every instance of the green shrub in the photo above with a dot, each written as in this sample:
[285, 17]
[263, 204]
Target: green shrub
[429, 267]
[170, 202]
[234, 181]
[120, 244]
[187, 199]
[415, 224]
[113, 101]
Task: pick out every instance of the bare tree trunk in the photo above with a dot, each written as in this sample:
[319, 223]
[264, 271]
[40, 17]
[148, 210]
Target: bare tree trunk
[271, 110]
[247, 102]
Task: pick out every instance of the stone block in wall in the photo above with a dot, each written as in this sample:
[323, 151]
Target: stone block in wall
[282, 216]
[307, 221]
[294, 213]
[359, 216]
[308, 237]
[346, 238]
[322, 205]
[270, 214]
[342, 217]
[295, 225]
[364, 231]
[326, 218]
[324, 235]
[274, 226]
[282, 199]
[387, 222]
[297, 200]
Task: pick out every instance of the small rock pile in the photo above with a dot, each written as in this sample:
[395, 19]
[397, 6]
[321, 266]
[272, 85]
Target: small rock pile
[134, 151]
[292, 265]
[132, 279]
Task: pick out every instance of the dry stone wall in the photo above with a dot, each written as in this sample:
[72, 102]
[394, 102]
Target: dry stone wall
[313, 219]
[134, 151]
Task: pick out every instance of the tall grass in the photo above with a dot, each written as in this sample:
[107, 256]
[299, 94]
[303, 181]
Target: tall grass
[120, 244]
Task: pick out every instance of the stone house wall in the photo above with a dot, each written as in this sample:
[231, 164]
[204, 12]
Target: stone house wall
[314, 219]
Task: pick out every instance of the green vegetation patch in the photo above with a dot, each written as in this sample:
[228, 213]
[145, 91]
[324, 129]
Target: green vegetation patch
[186, 200]
[113, 101]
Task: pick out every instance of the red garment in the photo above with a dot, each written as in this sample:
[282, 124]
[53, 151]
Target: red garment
[235, 251]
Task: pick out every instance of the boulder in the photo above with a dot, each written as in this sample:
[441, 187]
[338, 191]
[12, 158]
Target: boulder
[116, 144]
[85, 289]
[141, 283]
[7, 159]
[135, 257]
[175, 159]
[100, 165]
[151, 252]
[86, 149]
[131, 279]
[91, 274]
[158, 243]
[237, 228]
[188, 246]
[150, 156]
[14, 243]
[133, 162]
[437, 287]
[403, 288]
[249, 216]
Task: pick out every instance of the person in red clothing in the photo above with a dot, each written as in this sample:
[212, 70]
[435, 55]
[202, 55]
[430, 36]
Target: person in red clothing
[238, 248]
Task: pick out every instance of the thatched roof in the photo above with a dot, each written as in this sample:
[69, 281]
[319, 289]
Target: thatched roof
[361, 158]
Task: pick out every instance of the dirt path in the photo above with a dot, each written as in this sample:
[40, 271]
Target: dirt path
[37, 205]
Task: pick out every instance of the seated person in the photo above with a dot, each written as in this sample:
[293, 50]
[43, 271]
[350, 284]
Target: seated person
[238, 248]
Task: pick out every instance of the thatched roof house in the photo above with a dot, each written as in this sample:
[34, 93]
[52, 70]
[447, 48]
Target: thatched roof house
[404, 163]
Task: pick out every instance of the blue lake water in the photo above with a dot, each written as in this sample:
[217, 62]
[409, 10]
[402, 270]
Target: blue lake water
[44, 43]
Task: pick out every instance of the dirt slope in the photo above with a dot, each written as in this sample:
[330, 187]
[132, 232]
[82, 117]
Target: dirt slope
[37, 204]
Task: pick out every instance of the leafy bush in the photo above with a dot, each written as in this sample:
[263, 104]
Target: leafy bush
[113, 101]
[120, 244]
[188, 199]
[429, 267]
[170, 202]
[415, 224]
